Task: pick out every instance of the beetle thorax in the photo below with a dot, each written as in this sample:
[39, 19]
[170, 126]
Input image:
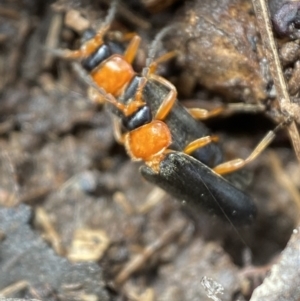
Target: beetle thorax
[148, 141]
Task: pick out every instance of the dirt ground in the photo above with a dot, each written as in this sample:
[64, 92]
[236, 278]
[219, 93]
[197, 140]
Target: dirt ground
[77, 220]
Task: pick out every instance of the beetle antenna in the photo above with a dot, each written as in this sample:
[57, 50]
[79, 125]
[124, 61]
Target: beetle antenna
[110, 14]
[157, 42]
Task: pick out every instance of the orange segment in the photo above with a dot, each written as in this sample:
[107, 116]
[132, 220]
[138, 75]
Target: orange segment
[113, 75]
[148, 140]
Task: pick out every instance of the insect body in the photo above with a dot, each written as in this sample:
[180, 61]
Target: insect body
[189, 177]
[177, 150]
[184, 128]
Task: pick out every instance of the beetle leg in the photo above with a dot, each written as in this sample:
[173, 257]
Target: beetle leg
[148, 73]
[238, 163]
[132, 48]
[165, 57]
[120, 138]
[168, 103]
[85, 50]
[96, 93]
[95, 96]
[203, 114]
[67, 53]
[198, 143]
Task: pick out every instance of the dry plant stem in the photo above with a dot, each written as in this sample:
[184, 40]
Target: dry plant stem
[14, 199]
[9, 13]
[122, 201]
[52, 40]
[16, 55]
[13, 288]
[153, 198]
[44, 221]
[139, 260]
[283, 283]
[264, 27]
[17, 299]
[283, 179]
[130, 16]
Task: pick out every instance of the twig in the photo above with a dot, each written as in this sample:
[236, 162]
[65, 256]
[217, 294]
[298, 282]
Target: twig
[9, 13]
[130, 16]
[283, 179]
[139, 260]
[13, 288]
[43, 219]
[14, 198]
[153, 198]
[17, 299]
[52, 38]
[264, 27]
[15, 56]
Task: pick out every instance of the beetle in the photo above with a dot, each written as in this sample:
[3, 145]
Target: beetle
[180, 155]
[191, 167]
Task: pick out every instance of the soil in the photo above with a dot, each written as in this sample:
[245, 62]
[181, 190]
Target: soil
[77, 220]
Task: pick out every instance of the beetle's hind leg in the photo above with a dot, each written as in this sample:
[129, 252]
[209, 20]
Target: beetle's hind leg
[198, 143]
[239, 163]
[203, 114]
